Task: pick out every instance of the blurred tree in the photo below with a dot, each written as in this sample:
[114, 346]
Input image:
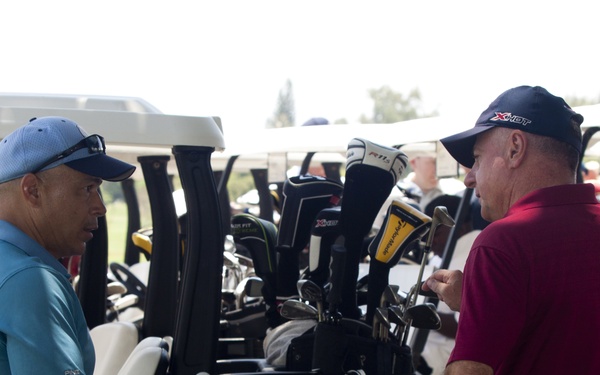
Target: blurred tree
[575, 101]
[239, 183]
[112, 191]
[285, 112]
[390, 106]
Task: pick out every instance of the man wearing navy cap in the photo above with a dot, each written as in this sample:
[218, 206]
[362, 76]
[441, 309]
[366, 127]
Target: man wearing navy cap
[529, 296]
[50, 175]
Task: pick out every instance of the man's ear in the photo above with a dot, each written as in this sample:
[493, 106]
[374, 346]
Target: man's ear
[30, 188]
[517, 145]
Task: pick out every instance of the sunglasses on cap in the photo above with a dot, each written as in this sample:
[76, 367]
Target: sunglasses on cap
[94, 143]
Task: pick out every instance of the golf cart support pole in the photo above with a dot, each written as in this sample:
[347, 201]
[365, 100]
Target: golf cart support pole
[306, 163]
[132, 254]
[265, 200]
[161, 295]
[224, 193]
[332, 170]
[91, 288]
[198, 315]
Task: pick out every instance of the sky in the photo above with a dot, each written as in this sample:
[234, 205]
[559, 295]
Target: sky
[231, 58]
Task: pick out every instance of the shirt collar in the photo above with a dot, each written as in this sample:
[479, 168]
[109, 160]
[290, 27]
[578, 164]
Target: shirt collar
[555, 196]
[13, 235]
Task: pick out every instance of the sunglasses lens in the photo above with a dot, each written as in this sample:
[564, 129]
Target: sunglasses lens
[95, 144]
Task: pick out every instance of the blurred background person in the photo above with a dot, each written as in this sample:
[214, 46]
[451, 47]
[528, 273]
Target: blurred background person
[422, 183]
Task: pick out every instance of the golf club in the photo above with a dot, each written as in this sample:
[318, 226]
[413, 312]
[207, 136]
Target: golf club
[259, 236]
[424, 316]
[311, 292]
[304, 197]
[402, 226]
[296, 310]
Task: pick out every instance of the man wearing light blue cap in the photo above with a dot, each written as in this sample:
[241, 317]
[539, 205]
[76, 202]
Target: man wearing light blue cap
[50, 174]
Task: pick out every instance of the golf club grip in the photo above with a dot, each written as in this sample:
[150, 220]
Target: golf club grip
[378, 280]
[404, 362]
[338, 260]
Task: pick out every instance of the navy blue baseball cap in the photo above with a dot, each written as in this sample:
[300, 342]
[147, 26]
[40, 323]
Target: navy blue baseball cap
[48, 142]
[530, 109]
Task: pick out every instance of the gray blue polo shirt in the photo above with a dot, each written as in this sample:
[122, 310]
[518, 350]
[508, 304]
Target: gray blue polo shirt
[42, 326]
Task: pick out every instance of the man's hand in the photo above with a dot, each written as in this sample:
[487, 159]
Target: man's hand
[468, 368]
[447, 285]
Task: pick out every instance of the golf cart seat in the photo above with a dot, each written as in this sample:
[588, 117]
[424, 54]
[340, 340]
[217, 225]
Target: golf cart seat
[113, 343]
[150, 360]
[149, 357]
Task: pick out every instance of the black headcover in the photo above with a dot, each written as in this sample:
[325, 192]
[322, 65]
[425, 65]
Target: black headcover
[304, 197]
[325, 229]
[258, 236]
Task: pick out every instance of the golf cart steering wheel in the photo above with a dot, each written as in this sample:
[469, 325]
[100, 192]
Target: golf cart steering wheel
[133, 284]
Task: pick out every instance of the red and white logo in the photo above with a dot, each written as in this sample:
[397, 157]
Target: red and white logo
[509, 117]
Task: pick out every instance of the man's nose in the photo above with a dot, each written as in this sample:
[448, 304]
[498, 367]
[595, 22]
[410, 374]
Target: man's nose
[470, 181]
[98, 208]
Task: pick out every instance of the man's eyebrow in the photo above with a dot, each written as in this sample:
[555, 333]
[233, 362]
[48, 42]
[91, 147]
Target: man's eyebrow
[96, 180]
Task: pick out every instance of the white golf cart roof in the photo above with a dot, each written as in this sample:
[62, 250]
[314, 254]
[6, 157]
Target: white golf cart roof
[130, 126]
[133, 127]
[330, 142]
[122, 121]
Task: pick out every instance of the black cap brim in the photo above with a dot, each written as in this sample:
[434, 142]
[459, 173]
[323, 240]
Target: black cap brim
[460, 145]
[103, 166]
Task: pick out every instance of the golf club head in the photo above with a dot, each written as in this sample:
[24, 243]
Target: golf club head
[390, 296]
[396, 316]
[440, 217]
[296, 310]
[229, 260]
[424, 316]
[253, 286]
[309, 291]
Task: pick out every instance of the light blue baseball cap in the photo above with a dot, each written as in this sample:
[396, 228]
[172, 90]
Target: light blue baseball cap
[48, 142]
